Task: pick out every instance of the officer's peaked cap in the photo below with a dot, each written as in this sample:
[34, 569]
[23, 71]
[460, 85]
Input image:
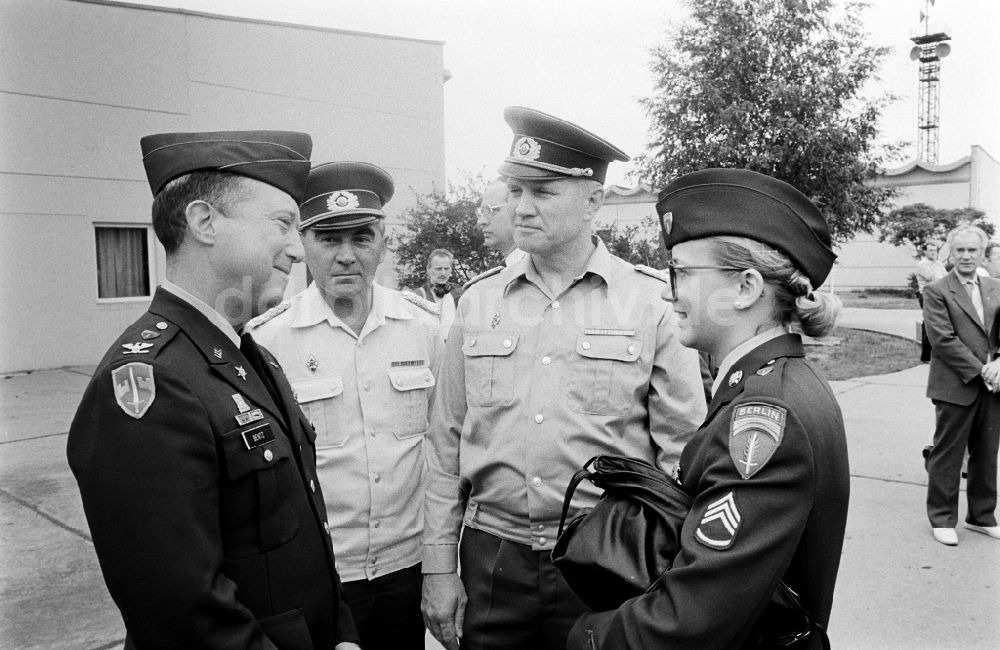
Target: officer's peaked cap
[345, 195]
[546, 147]
[744, 203]
[278, 158]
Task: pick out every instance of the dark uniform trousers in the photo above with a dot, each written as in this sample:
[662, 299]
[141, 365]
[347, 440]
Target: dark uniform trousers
[517, 598]
[387, 610]
[197, 476]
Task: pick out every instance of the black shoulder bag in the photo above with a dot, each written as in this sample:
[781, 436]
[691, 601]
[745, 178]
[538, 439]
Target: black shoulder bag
[625, 545]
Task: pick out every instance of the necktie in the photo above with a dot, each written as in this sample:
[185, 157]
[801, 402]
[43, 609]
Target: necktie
[977, 300]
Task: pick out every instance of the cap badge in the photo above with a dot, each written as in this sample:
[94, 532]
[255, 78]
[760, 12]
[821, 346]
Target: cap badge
[135, 389]
[735, 378]
[342, 201]
[527, 148]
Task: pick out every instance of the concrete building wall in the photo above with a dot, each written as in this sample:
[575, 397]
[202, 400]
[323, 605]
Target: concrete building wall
[82, 80]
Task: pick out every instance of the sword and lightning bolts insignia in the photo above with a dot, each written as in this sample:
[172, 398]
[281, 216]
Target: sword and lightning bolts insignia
[755, 432]
[719, 523]
[134, 387]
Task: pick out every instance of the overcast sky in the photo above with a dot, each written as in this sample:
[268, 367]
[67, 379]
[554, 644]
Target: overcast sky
[587, 61]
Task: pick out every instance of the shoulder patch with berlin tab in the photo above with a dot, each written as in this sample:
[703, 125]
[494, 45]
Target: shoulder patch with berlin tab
[755, 432]
[719, 523]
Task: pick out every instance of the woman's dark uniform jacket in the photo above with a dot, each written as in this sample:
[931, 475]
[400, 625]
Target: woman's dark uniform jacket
[754, 519]
[208, 538]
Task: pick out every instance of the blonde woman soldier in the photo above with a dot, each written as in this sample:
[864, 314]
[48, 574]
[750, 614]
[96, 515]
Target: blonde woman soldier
[768, 470]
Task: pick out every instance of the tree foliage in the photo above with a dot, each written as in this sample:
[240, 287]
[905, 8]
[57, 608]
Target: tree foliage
[443, 219]
[774, 86]
[923, 229]
[633, 243]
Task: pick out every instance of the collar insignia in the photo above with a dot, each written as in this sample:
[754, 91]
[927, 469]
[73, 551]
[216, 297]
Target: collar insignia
[755, 431]
[136, 348]
[217, 353]
[312, 363]
[241, 372]
[527, 149]
[135, 389]
[495, 320]
[735, 378]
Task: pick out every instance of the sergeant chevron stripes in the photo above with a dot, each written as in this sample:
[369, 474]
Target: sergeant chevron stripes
[720, 523]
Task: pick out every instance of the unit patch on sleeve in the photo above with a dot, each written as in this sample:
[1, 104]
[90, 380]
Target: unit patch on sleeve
[135, 389]
[755, 432]
[720, 523]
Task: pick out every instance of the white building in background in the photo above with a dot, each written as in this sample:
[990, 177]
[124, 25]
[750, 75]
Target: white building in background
[82, 80]
[864, 262]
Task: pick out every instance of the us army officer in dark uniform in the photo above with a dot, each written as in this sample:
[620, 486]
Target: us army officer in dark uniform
[768, 469]
[196, 467]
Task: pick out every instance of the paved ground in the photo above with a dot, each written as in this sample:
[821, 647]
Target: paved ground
[897, 587]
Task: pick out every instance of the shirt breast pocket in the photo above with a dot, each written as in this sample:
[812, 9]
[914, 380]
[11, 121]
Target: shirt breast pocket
[258, 509]
[489, 367]
[409, 400]
[604, 374]
[322, 400]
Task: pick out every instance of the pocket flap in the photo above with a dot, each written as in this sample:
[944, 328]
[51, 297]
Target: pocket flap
[310, 390]
[617, 348]
[411, 378]
[254, 448]
[489, 344]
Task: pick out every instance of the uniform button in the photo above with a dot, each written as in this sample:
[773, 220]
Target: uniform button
[546, 361]
[539, 418]
[371, 432]
[373, 559]
[555, 304]
[376, 523]
[368, 386]
[585, 345]
[268, 455]
[631, 349]
[506, 343]
[378, 477]
[312, 485]
[537, 482]
[541, 527]
[161, 325]
[374, 570]
[326, 527]
[542, 540]
[472, 342]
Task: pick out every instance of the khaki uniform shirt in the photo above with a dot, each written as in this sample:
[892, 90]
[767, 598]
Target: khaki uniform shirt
[368, 396]
[533, 385]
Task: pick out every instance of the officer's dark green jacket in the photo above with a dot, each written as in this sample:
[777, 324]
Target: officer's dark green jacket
[201, 495]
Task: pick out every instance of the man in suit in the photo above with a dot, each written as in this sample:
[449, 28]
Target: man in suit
[196, 468]
[960, 311]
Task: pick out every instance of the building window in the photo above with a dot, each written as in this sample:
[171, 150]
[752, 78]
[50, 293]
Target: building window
[122, 261]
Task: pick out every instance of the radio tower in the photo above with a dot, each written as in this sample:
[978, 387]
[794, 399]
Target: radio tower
[930, 48]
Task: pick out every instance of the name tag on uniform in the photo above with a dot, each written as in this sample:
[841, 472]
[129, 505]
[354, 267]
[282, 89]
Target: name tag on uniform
[407, 364]
[251, 416]
[257, 436]
[596, 331]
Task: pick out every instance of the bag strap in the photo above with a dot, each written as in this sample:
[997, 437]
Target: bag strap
[570, 489]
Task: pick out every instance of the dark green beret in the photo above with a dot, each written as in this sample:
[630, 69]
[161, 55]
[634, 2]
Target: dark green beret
[546, 147]
[278, 158]
[345, 195]
[744, 203]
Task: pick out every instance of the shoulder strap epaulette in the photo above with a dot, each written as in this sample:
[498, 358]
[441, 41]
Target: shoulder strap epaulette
[144, 339]
[482, 276]
[257, 321]
[662, 276]
[426, 305]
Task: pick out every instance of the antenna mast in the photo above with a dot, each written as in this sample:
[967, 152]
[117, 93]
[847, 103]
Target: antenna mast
[930, 48]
